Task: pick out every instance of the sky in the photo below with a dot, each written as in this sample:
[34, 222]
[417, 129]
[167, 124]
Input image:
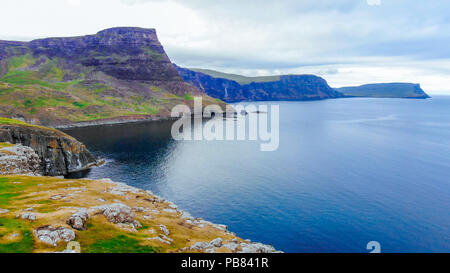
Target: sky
[347, 42]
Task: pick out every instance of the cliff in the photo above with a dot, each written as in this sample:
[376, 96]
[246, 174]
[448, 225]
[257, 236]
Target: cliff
[115, 74]
[234, 88]
[385, 90]
[59, 153]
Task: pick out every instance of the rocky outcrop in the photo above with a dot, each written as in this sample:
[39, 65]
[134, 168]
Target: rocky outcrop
[288, 87]
[385, 90]
[18, 159]
[59, 153]
[117, 213]
[53, 235]
[78, 219]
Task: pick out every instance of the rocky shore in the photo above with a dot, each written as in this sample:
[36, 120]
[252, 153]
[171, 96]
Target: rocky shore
[44, 214]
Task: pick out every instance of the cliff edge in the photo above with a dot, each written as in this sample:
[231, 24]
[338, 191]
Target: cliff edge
[59, 153]
[235, 88]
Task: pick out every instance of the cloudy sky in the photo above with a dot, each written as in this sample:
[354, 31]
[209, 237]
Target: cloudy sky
[348, 42]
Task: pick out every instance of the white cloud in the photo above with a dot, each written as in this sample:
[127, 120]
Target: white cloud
[374, 2]
[256, 37]
[74, 3]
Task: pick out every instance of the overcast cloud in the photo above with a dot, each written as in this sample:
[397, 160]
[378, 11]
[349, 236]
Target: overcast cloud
[348, 42]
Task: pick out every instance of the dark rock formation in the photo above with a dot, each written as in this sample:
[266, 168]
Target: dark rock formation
[385, 90]
[289, 87]
[59, 153]
[126, 53]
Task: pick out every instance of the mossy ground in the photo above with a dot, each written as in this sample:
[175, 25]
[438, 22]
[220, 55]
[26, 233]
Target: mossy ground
[53, 200]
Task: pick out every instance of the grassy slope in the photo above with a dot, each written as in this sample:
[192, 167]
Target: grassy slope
[36, 87]
[15, 122]
[238, 78]
[20, 192]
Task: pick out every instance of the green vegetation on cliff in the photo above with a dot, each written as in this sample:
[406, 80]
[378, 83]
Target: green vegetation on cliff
[117, 73]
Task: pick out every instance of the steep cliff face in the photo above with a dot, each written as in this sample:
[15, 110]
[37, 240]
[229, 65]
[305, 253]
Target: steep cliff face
[59, 153]
[115, 74]
[385, 90]
[289, 87]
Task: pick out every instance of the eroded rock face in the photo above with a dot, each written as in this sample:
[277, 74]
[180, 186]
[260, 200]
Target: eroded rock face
[54, 235]
[59, 154]
[19, 159]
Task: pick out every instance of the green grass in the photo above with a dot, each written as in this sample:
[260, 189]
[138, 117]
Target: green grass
[188, 97]
[25, 245]
[118, 244]
[9, 190]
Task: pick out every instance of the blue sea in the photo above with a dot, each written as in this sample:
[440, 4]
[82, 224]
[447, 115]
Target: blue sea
[347, 171]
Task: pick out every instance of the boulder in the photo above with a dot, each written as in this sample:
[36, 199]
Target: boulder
[54, 235]
[217, 242]
[78, 219]
[117, 213]
[164, 229]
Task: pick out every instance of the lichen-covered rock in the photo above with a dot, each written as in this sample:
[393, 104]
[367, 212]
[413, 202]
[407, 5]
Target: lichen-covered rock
[164, 229]
[19, 159]
[27, 216]
[256, 248]
[117, 213]
[54, 235]
[78, 219]
[59, 153]
[217, 242]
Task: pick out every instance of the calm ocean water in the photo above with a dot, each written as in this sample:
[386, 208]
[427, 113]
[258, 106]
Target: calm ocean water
[347, 171]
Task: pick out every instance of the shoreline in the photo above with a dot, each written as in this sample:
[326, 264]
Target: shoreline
[92, 211]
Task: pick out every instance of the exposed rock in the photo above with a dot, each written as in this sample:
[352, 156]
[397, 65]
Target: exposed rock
[58, 153]
[160, 240]
[170, 210]
[217, 242]
[232, 246]
[117, 213]
[256, 248]
[78, 220]
[164, 229]
[53, 235]
[2, 211]
[140, 209]
[136, 224]
[19, 159]
[28, 216]
[186, 215]
[200, 246]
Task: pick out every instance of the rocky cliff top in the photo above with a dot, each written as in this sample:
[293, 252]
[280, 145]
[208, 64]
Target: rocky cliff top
[103, 216]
